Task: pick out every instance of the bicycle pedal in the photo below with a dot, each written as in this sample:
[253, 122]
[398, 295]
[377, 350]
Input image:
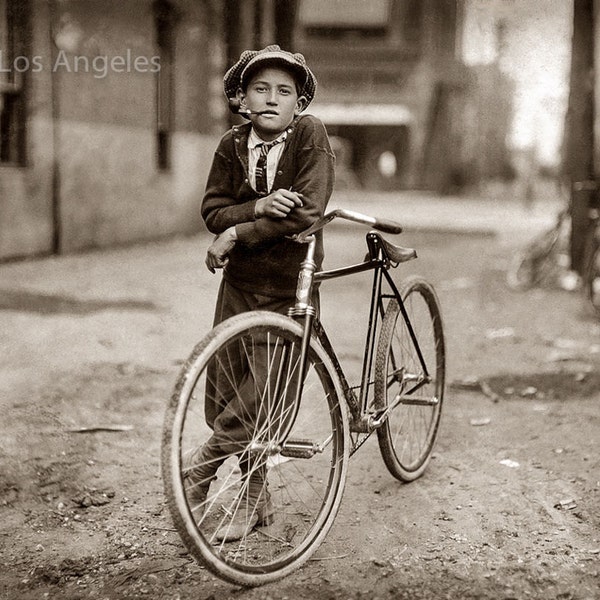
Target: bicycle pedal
[299, 449]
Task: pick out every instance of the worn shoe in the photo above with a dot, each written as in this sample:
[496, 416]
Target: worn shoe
[256, 510]
[196, 495]
[198, 473]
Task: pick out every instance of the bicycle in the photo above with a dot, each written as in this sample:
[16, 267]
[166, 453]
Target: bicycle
[544, 258]
[591, 272]
[308, 419]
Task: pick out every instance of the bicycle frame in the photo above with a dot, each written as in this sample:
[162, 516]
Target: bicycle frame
[362, 421]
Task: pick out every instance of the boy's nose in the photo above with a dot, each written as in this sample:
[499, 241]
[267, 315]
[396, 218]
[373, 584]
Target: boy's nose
[272, 97]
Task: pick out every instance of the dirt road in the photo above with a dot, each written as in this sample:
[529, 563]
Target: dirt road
[508, 508]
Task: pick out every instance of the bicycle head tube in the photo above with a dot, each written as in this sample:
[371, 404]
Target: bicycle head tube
[305, 282]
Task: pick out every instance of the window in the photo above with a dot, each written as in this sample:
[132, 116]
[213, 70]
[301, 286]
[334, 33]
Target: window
[14, 63]
[345, 18]
[165, 40]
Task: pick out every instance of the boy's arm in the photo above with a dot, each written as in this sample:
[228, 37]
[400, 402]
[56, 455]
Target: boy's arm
[313, 180]
[220, 210]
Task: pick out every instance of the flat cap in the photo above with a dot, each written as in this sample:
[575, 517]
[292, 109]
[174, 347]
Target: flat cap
[252, 60]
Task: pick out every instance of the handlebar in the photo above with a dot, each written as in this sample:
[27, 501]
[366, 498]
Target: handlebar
[385, 225]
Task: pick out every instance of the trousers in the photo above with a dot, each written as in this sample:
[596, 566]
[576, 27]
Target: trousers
[234, 395]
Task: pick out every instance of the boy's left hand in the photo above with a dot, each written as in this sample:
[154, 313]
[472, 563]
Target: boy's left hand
[216, 255]
[277, 204]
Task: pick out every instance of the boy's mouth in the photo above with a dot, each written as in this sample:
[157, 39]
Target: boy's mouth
[258, 113]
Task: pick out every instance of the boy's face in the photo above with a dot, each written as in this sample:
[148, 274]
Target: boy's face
[274, 91]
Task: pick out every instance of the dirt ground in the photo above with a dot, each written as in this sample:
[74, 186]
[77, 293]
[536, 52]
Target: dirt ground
[509, 507]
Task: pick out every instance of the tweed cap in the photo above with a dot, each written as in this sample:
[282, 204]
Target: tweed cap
[252, 60]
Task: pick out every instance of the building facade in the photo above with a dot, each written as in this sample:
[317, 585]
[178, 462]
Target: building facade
[106, 121]
[389, 75]
[111, 110]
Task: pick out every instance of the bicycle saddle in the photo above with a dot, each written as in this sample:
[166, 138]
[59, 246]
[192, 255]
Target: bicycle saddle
[395, 254]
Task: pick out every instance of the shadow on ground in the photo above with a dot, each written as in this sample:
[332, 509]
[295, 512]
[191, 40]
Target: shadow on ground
[35, 302]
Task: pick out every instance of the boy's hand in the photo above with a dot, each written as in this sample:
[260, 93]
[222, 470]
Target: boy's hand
[216, 255]
[278, 204]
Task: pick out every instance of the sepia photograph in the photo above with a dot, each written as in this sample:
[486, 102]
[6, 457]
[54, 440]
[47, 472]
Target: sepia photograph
[300, 299]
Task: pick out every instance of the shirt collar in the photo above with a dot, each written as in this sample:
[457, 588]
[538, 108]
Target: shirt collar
[254, 140]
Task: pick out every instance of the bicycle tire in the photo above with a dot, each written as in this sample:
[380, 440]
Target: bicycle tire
[539, 262]
[521, 274]
[306, 485]
[407, 436]
[591, 278]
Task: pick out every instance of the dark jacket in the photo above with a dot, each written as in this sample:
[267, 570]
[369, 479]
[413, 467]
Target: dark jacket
[263, 260]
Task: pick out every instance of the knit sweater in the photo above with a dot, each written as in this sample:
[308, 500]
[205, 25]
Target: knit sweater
[264, 260]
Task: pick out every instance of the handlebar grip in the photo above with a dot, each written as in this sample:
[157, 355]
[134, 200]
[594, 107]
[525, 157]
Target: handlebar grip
[387, 226]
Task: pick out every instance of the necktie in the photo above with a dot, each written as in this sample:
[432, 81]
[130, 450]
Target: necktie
[260, 172]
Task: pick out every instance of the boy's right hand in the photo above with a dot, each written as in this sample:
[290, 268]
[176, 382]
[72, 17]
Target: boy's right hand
[277, 204]
[217, 253]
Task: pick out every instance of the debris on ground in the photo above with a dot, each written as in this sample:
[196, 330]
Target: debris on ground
[529, 392]
[474, 384]
[568, 504]
[96, 428]
[503, 332]
[480, 421]
[93, 498]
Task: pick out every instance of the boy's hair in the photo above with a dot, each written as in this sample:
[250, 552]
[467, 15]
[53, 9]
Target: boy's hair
[252, 70]
[238, 76]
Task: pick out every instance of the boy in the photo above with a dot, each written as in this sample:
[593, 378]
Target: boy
[270, 178]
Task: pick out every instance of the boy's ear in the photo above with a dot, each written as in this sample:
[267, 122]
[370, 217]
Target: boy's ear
[300, 105]
[241, 96]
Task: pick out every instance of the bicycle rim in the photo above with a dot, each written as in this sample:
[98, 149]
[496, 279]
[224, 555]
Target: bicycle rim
[300, 449]
[407, 437]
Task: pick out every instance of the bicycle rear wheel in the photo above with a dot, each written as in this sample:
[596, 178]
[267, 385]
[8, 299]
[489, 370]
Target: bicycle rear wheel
[298, 450]
[522, 271]
[538, 264]
[413, 396]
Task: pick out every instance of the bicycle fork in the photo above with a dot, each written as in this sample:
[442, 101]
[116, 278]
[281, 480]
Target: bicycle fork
[302, 309]
[303, 313]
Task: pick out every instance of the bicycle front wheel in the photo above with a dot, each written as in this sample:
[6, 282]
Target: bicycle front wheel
[409, 379]
[254, 494]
